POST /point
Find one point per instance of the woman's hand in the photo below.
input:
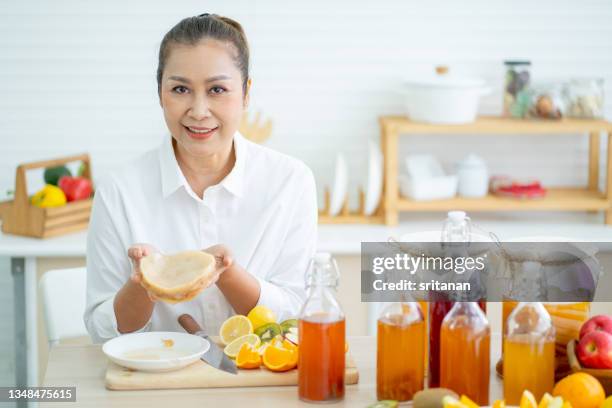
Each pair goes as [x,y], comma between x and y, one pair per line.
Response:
[224,260]
[136,252]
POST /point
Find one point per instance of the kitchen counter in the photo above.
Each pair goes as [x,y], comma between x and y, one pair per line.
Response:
[84,367]
[346,239]
[337,239]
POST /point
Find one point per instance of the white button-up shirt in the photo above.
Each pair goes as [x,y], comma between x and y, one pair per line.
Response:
[264,211]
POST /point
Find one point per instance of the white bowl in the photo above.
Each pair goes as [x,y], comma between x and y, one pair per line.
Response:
[155,351]
[433,188]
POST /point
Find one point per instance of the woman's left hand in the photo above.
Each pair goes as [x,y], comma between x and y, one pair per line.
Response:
[223,257]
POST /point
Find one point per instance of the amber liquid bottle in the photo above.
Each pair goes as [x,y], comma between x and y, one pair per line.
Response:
[465,342]
[321,328]
[400,352]
[529,352]
[457,228]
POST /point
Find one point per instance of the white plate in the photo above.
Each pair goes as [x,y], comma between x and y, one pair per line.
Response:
[374,181]
[155,351]
[340,185]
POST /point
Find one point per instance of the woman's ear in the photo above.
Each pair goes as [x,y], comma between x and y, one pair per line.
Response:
[247,94]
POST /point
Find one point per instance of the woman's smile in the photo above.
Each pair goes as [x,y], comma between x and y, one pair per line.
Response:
[200,133]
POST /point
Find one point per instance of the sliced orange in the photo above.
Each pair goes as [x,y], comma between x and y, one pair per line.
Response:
[279,359]
[248,357]
[289,345]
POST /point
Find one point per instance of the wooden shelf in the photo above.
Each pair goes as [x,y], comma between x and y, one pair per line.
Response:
[588,198]
[557,199]
[498,125]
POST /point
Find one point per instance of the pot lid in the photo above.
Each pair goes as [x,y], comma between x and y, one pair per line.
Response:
[442,78]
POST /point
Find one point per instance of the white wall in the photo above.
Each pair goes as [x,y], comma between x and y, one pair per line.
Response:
[80,76]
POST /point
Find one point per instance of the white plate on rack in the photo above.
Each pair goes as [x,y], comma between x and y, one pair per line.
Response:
[339,186]
[374,183]
[155,351]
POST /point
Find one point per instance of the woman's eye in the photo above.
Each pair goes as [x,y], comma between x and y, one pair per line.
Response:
[179,89]
[217,90]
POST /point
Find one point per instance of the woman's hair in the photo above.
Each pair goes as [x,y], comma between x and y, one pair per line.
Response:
[191,30]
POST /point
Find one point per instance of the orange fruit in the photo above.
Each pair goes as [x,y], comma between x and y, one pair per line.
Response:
[279,358]
[248,357]
[289,345]
[582,390]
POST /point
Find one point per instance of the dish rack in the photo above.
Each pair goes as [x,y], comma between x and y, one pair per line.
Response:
[350,217]
[20,217]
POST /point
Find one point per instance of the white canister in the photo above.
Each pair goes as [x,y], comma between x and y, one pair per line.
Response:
[473,177]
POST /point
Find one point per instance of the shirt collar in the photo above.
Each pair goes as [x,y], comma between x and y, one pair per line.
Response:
[234,181]
[172,177]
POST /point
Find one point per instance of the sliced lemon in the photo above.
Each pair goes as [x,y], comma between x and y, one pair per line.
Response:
[556,402]
[465,400]
[546,399]
[384,404]
[528,400]
[235,327]
[451,402]
[232,349]
[499,404]
[261,315]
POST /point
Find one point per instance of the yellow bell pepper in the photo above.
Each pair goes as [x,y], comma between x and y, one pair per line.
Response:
[49,196]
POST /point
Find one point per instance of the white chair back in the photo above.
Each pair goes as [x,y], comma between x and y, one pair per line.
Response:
[63,296]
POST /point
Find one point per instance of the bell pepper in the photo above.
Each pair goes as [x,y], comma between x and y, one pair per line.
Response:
[53,174]
[49,196]
[76,188]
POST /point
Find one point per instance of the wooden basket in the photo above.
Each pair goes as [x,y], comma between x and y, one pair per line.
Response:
[603,375]
[20,217]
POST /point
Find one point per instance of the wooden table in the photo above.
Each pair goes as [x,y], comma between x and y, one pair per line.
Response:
[85,366]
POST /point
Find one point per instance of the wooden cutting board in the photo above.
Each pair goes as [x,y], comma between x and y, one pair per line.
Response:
[202,375]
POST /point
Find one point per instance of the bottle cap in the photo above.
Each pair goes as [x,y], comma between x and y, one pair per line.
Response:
[456,216]
[321,258]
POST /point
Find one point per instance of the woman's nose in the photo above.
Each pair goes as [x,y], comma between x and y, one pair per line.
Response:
[199,108]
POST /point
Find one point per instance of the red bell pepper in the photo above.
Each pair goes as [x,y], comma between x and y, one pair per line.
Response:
[75,188]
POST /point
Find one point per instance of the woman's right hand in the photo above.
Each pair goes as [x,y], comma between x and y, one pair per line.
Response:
[136,252]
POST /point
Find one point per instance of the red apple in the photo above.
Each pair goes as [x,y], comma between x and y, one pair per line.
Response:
[599,322]
[595,350]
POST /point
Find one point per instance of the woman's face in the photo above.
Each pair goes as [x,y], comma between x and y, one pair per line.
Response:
[202,97]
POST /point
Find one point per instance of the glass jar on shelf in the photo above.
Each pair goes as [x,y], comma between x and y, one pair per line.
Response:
[547,101]
[517,96]
[584,98]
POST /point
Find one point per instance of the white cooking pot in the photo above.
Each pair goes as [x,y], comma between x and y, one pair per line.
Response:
[443,98]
